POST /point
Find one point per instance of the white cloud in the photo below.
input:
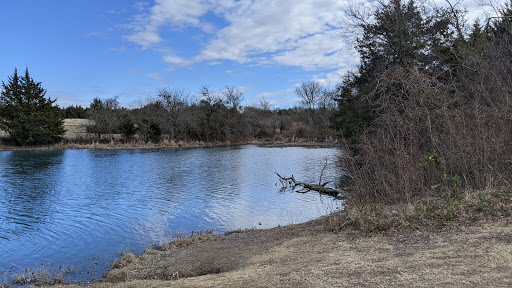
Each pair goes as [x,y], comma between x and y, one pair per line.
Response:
[141,6]
[145,38]
[320,51]
[264,31]
[275,93]
[173,59]
[301,33]
[172,13]
[298,33]
[330,79]
[155,76]
[259,31]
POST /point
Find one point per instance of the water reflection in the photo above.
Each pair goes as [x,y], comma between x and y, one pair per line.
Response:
[68,207]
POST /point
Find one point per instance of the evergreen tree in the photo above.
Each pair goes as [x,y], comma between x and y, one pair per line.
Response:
[353,115]
[127,127]
[155,133]
[402,33]
[74,112]
[25,113]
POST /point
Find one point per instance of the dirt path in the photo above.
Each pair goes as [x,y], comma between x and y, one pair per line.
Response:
[305,255]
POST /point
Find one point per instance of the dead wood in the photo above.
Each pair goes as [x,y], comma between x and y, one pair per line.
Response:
[292,182]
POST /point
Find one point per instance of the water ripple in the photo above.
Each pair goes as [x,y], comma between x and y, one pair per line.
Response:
[68,207]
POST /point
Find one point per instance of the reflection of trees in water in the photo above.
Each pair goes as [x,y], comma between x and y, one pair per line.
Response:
[28,180]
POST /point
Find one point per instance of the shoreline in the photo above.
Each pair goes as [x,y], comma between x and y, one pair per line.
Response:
[95,145]
[306,255]
[473,250]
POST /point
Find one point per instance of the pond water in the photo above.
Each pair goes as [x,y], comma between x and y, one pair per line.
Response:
[81,208]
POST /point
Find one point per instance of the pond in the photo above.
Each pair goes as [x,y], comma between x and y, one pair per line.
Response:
[81,208]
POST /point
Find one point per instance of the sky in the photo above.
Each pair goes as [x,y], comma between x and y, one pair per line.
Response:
[86,49]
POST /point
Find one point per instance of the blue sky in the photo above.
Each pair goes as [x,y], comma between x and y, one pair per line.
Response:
[82,49]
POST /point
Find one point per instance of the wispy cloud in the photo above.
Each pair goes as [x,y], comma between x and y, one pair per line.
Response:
[287,32]
[155,76]
[302,34]
[278,32]
[174,13]
[285,98]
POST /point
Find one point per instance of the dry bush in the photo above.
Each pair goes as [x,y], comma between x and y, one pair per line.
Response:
[429,138]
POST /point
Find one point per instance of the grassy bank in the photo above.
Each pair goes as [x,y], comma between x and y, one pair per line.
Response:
[307,256]
[445,209]
[120,145]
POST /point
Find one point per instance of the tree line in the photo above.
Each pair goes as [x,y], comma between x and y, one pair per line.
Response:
[216,116]
[31,118]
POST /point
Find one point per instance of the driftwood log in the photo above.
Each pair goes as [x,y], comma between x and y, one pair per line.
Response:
[309,186]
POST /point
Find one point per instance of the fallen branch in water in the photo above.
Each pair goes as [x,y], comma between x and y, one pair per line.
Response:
[285,181]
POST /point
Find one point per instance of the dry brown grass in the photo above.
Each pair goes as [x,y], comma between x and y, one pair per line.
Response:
[305,255]
[119,145]
[462,207]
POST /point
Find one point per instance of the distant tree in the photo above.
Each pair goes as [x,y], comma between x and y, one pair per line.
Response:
[105,114]
[26,114]
[309,93]
[210,105]
[96,104]
[155,133]
[264,104]
[233,97]
[127,127]
[326,99]
[74,112]
[111,103]
[175,101]
[148,118]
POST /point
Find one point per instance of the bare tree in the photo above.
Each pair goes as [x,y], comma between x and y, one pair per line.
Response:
[105,114]
[209,104]
[326,99]
[111,103]
[233,97]
[265,104]
[174,101]
[309,92]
